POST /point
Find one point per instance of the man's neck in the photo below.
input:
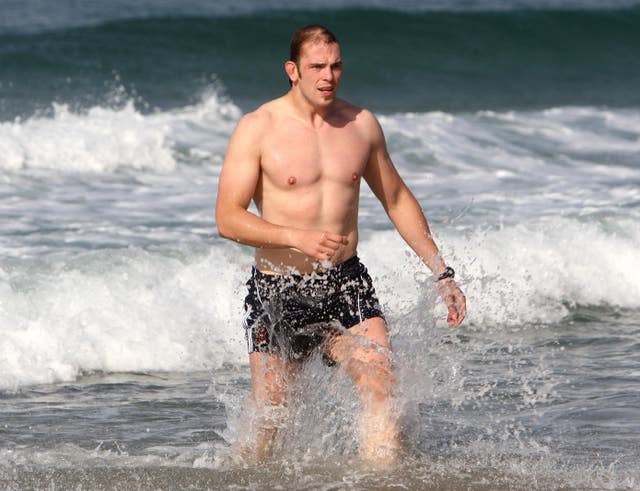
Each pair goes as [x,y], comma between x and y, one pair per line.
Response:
[309,113]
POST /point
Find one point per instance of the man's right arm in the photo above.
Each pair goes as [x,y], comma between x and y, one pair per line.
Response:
[236,188]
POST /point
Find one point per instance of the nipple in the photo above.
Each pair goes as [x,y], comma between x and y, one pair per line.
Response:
[292,180]
[354,176]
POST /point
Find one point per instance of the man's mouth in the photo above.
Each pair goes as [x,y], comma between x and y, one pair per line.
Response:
[325,89]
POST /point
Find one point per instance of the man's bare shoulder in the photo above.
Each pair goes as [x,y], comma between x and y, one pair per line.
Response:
[352,111]
[363,118]
[255,120]
[262,118]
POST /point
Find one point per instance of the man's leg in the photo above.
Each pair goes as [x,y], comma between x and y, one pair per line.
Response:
[266,409]
[365,353]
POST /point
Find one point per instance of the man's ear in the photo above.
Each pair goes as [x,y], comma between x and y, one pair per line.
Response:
[291,70]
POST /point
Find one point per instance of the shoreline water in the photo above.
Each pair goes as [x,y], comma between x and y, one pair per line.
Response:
[122,356]
[180,437]
[166,478]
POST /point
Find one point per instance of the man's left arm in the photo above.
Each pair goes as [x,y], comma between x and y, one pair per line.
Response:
[407,216]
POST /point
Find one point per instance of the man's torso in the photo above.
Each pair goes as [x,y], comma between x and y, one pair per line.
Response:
[310,179]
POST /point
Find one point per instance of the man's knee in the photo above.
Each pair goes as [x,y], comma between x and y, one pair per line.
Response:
[369,365]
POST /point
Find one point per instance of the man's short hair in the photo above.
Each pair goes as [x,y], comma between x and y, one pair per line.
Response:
[314,33]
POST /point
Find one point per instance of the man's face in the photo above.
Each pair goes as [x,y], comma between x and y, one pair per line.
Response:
[319,71]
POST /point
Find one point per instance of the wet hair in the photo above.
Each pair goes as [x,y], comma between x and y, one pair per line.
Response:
[314,33]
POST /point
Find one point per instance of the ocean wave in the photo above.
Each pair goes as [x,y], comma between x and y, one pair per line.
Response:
[104,139]
[529,273]
[114,311]
[22,16]
[129,310]
[579,160]
[400,61]
[493,149]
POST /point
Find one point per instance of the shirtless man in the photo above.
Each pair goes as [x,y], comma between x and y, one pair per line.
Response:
[301,159]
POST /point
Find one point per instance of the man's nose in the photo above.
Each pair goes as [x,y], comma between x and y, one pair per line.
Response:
[329,74]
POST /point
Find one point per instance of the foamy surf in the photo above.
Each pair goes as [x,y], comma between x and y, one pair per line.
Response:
[105,139]
[180,309]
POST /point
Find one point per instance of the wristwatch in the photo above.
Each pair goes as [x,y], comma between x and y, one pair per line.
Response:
[447,273]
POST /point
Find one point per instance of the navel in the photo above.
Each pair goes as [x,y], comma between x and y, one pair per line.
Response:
[292,180]
[354,176]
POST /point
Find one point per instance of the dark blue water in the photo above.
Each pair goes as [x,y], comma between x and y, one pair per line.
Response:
[396,61]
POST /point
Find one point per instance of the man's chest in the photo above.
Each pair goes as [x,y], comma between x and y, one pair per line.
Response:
[302,157]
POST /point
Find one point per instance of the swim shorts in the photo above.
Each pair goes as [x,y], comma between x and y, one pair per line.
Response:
[291,315]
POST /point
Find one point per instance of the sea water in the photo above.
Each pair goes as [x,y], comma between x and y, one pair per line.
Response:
[122,356]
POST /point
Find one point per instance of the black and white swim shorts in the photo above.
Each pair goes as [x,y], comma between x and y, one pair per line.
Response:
[290,315]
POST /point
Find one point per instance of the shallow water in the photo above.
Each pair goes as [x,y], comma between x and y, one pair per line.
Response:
[122,357]
[531,406]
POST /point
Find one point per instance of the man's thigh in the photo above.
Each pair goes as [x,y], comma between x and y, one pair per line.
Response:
[367,337]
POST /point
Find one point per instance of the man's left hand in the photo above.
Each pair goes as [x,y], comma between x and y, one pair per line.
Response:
[455,301]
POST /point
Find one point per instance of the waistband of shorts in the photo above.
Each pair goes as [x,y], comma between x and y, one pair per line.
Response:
[352,262]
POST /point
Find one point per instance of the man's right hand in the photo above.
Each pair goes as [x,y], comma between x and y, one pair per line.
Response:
[319,244]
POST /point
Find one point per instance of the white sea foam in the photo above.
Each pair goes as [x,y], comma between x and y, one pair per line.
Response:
[545,224]
[513,167]
[104,139]
[505,167]
[180,310]
[547,149]
[527,273]
[126,310]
